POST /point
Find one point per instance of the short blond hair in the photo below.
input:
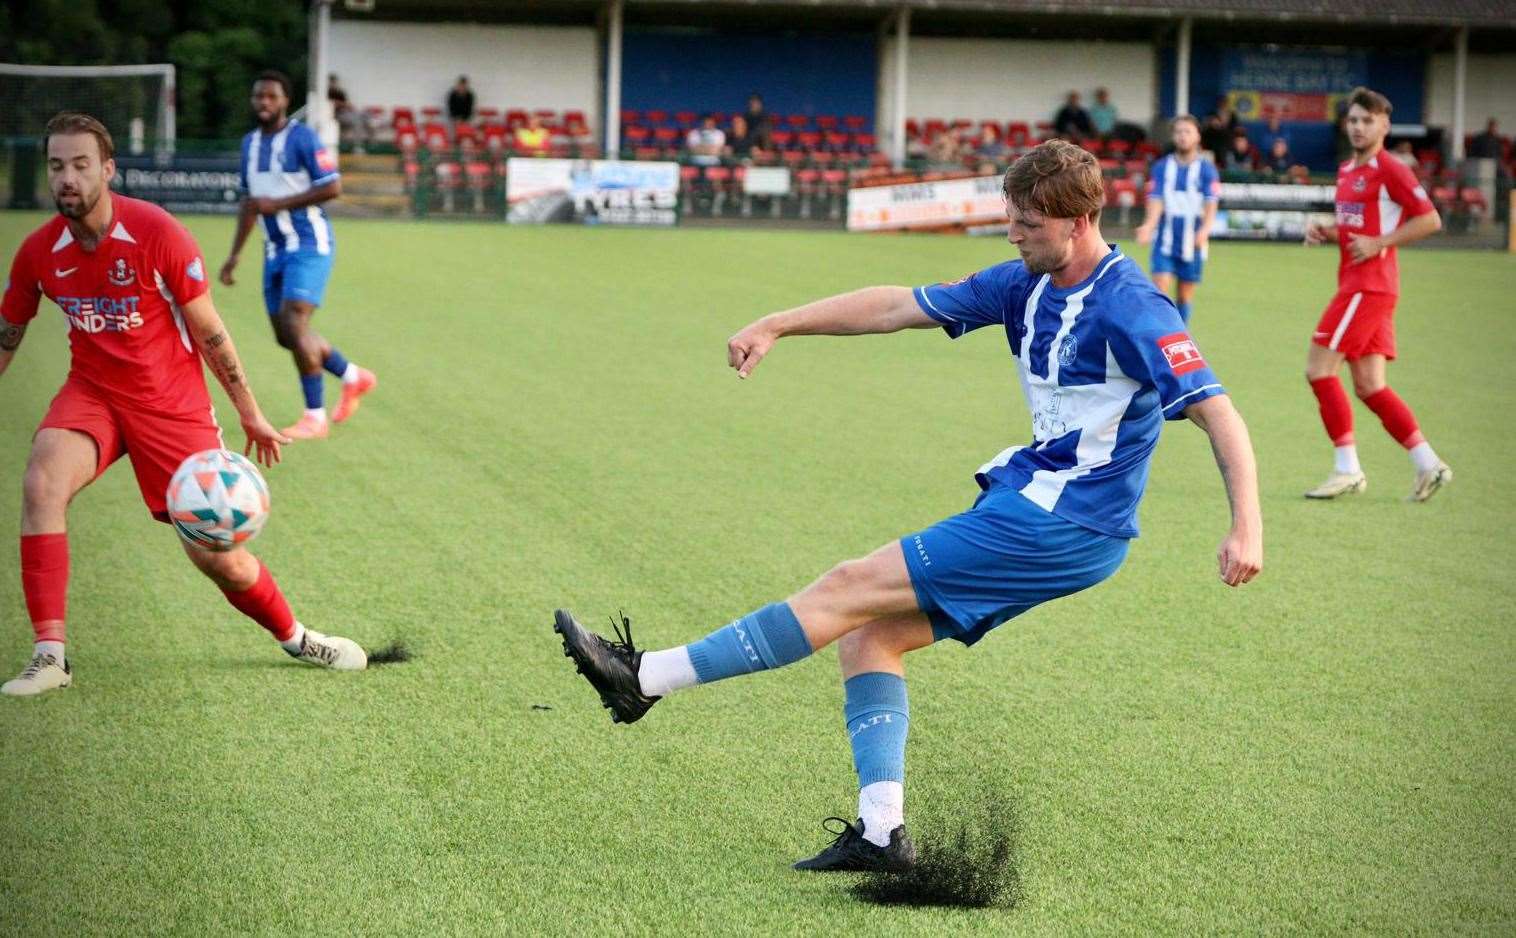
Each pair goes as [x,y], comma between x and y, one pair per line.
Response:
[1057,179]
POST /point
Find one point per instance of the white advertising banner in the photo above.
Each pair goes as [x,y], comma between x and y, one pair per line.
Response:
[591,192]
[766,180]
[926,204]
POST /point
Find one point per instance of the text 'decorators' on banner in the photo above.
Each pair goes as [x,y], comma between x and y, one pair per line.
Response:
[938,204]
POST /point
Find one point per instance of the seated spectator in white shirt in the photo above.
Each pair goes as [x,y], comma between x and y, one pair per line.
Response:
[706,142]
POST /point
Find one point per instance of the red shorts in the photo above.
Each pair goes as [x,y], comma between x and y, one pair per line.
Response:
[156,443]
[1358,324]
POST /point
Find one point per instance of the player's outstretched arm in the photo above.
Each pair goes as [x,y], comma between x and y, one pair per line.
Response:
[1240,556]
[215,345]
[10,340]
[246,218]
[870,311]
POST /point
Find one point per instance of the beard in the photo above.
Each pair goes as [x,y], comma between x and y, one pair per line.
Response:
[85,205]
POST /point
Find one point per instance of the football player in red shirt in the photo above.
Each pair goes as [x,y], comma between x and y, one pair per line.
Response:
[1379,207]
[132,285]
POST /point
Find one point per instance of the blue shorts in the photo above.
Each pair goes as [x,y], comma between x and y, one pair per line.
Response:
[1000,558]
[300,275]
[1186,270]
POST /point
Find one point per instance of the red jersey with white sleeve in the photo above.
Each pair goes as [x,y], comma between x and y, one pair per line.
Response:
[122,304]
[1374,199]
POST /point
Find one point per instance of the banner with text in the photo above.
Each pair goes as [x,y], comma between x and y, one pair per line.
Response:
[1294,85]
[938,204]
[591,192]
[182,183]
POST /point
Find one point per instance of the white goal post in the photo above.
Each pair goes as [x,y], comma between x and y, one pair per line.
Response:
[138,116]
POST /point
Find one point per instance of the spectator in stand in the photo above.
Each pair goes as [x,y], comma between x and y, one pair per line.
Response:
[1274,130]
[758,122]
[533,139]
[1103,114]
[944,154]
[1487,146]
[1240,156]
[460,101]
[706,142]
[1220,125]
[352,125]
[1072,121]
[1405,152]
[1280,161]
[740,144]
[991,149]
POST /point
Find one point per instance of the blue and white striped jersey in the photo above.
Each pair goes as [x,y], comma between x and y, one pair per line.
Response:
[289,162]
[1184,189]
[1102,363]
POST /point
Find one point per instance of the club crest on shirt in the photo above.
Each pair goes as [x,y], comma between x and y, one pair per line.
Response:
[121,273]
[1360,184]
[195,270]
[1067,350]
[1180,352]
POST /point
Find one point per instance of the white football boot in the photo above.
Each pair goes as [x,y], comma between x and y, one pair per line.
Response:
[43,673]
[1340,483]
[331,651]
[1427,483]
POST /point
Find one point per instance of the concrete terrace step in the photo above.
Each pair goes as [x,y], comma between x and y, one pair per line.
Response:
[370,163]
[361,205]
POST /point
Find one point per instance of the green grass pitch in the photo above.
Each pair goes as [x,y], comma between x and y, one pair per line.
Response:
[1330,749]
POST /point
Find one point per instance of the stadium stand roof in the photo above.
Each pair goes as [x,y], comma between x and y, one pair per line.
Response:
[1480,13]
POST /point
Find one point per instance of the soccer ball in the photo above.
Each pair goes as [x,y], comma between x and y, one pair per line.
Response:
[217,500]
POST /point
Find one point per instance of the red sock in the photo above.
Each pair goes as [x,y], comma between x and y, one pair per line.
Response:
[1397,418]
[44,581]
[1336,410]
[265,605]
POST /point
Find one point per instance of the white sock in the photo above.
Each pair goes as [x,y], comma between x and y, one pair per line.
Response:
[1345,459]
[350,375]
[293,645]
[1423,458]
[49,648]
[663,672]
[318,412]
[881,805]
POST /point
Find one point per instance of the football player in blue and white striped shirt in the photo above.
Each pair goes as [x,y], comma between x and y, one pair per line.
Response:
[1183,189]
[286,174]
[1103,360]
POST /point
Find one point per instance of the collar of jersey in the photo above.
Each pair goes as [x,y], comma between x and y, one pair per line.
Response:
[1104,262]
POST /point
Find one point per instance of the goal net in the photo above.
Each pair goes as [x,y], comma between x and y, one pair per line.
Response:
[136,102]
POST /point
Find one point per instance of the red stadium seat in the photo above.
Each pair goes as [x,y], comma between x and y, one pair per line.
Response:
[826,122]
[408,142]
[864,141]
[793,158]
[667,136]
[823,158]
[809,139]
[782,139]
[657,117]
[1473,197]
[434,135]
[855,123]
[912,129]
[934,126]
[516,117]
[403,115]
[546,114]
[797,121]
[688,176]
[487,115]
[574,120]
[836,139]
[648,153]
[494,137]
[686,118]
[850,158]
[629,116]
[636,134]
[412,170]
[431,113]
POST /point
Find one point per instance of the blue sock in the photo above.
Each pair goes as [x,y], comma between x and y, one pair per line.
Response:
[336,363]
[1184,313]
[311,385]
[877,720]
[769,638]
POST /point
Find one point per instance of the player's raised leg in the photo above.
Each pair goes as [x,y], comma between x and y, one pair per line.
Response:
[62,462]
[848,596]
[252,591]
[1371,386]
[1322,366]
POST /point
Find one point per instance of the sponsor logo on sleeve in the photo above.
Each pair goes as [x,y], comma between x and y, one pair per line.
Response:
[325,159]
[195,270]
[1180,352]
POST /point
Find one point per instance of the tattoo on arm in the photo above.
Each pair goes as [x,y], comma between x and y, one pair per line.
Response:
[227,369]
[10,336]
[215,340]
